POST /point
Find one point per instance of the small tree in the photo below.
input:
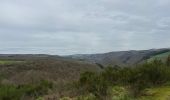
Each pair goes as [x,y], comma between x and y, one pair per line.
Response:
[168,61]
[93,83]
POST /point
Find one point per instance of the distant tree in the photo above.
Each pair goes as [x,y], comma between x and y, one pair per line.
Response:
[100,65]
[93,83]
[157,62]
[168,61]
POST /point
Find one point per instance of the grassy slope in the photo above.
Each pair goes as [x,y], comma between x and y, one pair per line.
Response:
[162,56]
[120,93]
[160,93]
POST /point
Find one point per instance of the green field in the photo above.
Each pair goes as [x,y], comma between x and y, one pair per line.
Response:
[157,93]
[120,93]
[162,56]
[160,93]
[5,62]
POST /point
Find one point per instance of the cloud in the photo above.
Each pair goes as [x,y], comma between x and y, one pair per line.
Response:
[83,26]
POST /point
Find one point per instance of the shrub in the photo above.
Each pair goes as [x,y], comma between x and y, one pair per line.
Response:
[137,78]
[65,98]
[10,92]
[93,83]
[168,61]
[13,92]
[87,97]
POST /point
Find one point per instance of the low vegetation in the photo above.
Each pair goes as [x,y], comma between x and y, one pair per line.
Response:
[24,92]
[157,93]
[23,81]
[43,80]
[7,62]
[134,80]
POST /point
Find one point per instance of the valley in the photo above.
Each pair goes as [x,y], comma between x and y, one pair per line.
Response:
[124,75]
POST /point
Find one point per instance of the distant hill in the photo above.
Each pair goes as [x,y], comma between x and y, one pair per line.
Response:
[120,57]
[28,56]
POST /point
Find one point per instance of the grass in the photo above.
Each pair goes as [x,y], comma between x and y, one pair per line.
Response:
[162,56]
[157,93]
[5,62]
[160,93]
[120,93]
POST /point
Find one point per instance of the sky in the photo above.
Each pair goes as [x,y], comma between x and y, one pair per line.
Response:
[65,27]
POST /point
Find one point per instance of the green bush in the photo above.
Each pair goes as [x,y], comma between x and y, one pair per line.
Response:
[168,61]
[13,92]
[138,78]
[93,83]
[87,97]
[10,92]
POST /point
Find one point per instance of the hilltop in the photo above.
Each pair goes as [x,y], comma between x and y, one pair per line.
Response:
[121,57]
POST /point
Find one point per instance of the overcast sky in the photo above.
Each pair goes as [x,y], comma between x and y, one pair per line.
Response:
[83,26]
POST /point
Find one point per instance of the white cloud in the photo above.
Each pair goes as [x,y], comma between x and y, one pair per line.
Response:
[83,26]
